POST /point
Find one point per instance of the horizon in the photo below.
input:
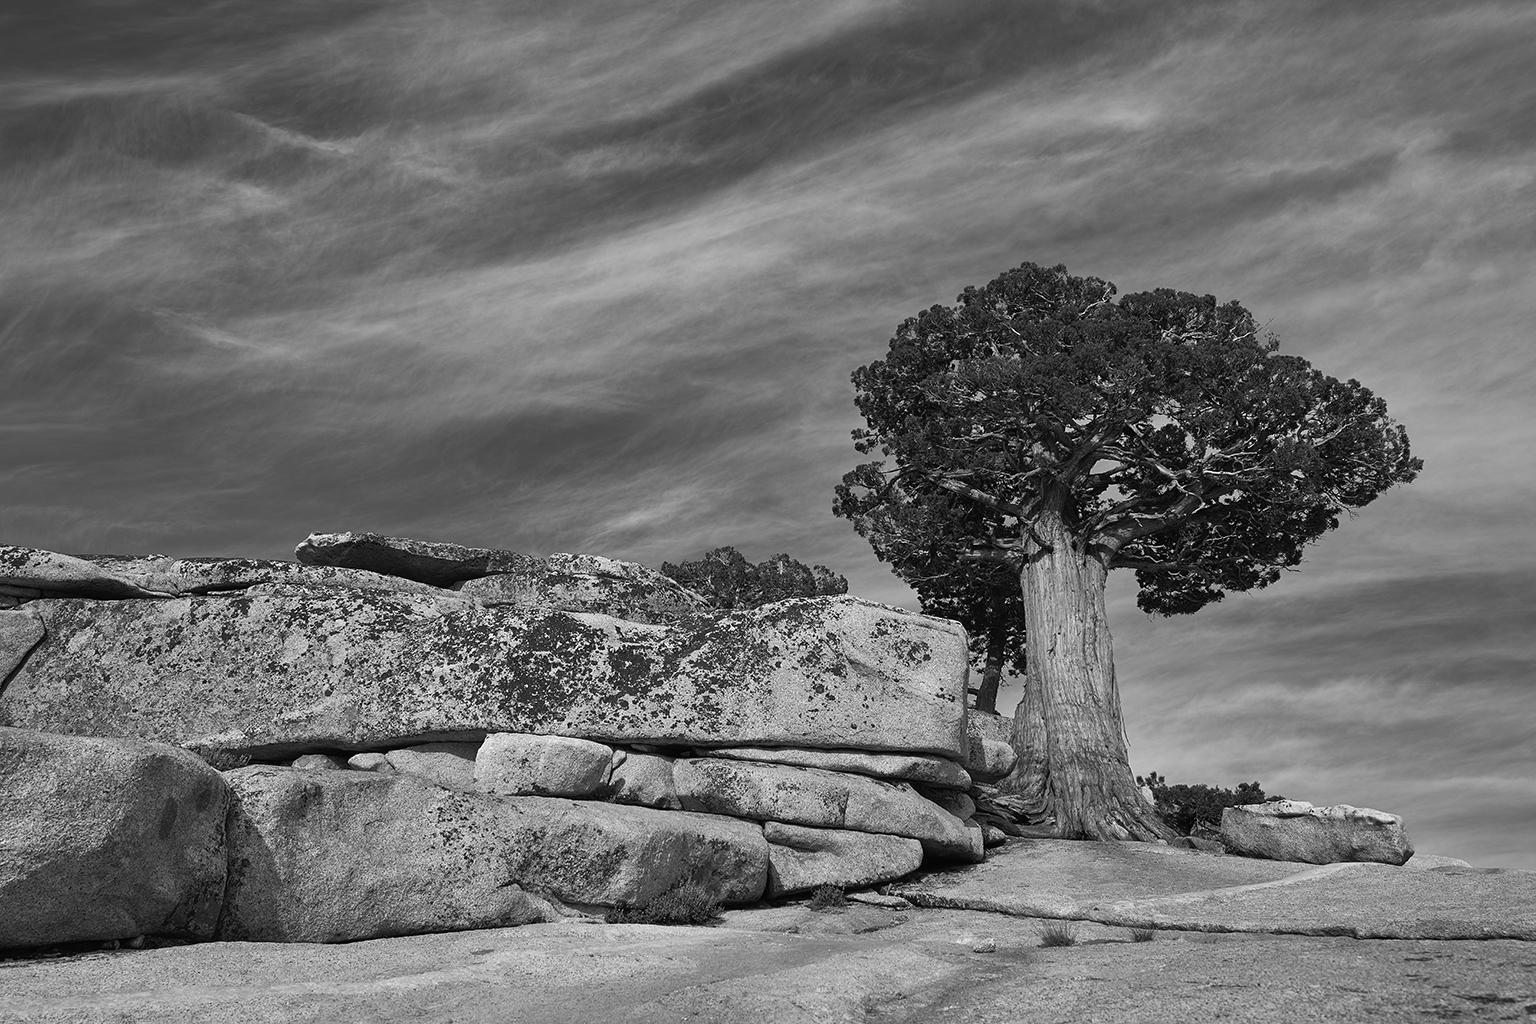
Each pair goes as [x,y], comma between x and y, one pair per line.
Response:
[592,277]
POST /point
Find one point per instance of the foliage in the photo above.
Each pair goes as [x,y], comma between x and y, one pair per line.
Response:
[828,897]
[1184,807]
[1164,433]
[686,903]
[725,579]
[1058,933]
[1143,934]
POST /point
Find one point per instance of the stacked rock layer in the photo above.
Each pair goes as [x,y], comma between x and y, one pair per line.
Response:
[421,737]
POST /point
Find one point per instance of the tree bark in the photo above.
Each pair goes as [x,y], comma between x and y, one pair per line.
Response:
[992,673]
[1069,731]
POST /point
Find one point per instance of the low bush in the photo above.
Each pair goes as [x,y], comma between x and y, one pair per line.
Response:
[828,897]
[1184,808]
[688,903]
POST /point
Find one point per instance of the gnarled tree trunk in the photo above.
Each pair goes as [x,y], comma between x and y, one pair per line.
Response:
[1073,763]
[992,672]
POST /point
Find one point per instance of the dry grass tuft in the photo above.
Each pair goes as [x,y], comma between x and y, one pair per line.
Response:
[1058,933]
[1143,934]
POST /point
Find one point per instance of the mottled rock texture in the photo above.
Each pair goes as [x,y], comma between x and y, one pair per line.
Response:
[823,799]
[107,839]
[337,856]
[1297,831]
[435,562]
[519,764]
[216,575]
[281,671]
[450,765]
[48,572]
[800,859]
[588,583]
[937,772]
[20,632]
[643,779]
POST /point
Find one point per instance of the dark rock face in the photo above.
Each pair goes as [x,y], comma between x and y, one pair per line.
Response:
[107,839]
[425,561]
[283,671]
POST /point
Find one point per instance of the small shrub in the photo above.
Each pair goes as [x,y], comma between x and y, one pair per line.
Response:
[1143,934]
[1058,933]
[1186,808]
[828,897]
[688,903]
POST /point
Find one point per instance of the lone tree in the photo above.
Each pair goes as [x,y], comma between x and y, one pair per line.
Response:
[1157,433]
[925,537]
[725,579]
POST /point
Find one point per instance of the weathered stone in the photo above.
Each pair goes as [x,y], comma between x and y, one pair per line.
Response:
[992,836]
[281,671]
[936,772]
[643,779]
[800,859]
[370,761]
[518,764]
[318,763]
[52,573]
[988,760]
[823,799]
[435,562]
[337,856]
[958,804]
[107,839]
[20,632]
[217,575]
[588,583]
[1297,831]
[450,765]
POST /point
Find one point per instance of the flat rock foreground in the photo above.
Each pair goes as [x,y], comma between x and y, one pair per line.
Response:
[891,962]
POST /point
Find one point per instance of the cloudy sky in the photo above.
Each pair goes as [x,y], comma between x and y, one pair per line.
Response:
[591,275]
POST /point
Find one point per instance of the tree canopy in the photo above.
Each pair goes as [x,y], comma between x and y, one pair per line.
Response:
[725,579]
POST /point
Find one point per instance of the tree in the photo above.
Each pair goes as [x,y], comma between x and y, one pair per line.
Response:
[1183,807]
[1157,433]
[925,538]
[725,579]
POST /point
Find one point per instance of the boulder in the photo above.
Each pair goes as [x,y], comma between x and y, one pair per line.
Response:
[217,575]
[988,760]
[425,561]
[20,632]
[450,765]
[518,764]
[588,583]
[1297,831]
[369,761]
[277,672]
[339,856]
[823,799]
[959,804]
[51,573]
[936,772]
[106,839]
[643,779]
[800,859]
[318,763]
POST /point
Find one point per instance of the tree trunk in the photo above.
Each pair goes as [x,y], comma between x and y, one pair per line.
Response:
[992,674]
[1068,728]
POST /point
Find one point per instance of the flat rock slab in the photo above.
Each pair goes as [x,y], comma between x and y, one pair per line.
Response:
[1145,885]
[436,562]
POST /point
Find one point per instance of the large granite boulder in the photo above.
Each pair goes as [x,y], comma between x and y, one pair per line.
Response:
[337,856]
[989,754]
[435,562]
[519,764]
[800,859]
[588,583]
[450,765]
[823,799]
[1296,830]
[937,772]
[643,779]
[218,575]
[20,632]
[48,573]
[107,839]
[275,671]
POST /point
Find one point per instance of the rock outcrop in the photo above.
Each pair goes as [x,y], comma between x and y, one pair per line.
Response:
[426,561]
[20,632]
[36,573]
[1295,830]
[516,764]
[588,583]
[800,859]
[931,771]
[107,839]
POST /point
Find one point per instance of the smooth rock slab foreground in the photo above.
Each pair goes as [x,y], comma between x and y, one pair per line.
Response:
[1295,830]
[278,671]
[339,856]
[800,859]
[107,839]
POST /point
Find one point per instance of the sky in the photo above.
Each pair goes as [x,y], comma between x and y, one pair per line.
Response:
[592,276]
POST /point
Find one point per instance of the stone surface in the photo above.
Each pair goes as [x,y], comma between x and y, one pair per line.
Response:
[956,803]
[425,561]
[52,573]
[518,764]
[988,760]
[1199,843]
[450,765]
[283,673]
[937,772]
[588,583]
[215,575]
[318,763]
[800,858]
[336,856]
[642,779]
[107,839]
[1295,830]
[370,761]
[20,632]
[823,799]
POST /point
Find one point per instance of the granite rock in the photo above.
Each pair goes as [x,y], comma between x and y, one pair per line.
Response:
[518,764]
[1297,831]
[435,562]
[800,858]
